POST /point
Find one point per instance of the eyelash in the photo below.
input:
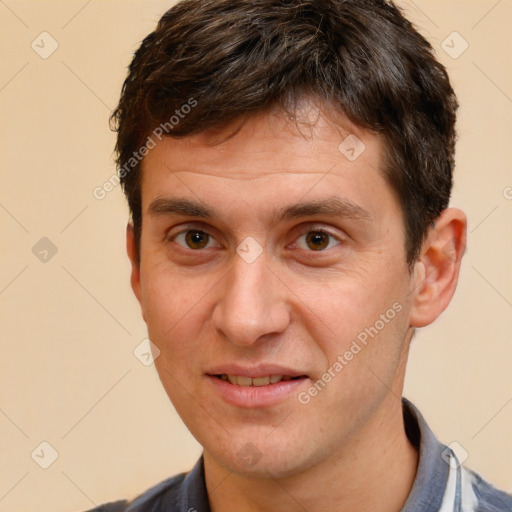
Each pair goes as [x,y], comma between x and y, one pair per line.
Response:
[172,238]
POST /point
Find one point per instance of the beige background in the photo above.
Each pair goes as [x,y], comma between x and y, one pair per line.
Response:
[69,325]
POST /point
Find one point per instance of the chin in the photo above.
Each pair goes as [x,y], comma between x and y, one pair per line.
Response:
[262,458]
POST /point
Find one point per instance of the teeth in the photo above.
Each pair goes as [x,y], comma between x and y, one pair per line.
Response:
[254,381]
[243,381]
[261,381]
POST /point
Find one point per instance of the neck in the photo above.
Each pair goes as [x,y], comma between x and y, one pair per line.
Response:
[375,472]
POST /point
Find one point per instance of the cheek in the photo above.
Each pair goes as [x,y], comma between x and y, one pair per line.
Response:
[362,319]
[345,304]
[171,304]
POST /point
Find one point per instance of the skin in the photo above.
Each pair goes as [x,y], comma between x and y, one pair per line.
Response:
[296,306]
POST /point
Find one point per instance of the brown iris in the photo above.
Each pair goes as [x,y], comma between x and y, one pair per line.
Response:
[197,239]
[317,240]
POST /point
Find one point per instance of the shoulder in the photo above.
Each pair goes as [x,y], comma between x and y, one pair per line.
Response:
[148,500]
[479,495]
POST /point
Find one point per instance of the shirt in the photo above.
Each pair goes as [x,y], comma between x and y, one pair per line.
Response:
[441,484]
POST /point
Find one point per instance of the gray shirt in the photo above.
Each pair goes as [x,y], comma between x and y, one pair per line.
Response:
[442,484]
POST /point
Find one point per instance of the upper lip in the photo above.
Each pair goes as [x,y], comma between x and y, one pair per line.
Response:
[259,370]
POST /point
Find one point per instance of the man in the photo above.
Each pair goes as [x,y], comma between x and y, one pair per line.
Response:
[288,167]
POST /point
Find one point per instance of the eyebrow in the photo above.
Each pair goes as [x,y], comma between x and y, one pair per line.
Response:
[333,206]
[165,206]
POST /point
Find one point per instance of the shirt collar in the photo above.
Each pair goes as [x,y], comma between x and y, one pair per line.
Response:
[193,496]
[430,483]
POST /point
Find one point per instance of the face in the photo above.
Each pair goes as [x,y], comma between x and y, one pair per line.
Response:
[273,280]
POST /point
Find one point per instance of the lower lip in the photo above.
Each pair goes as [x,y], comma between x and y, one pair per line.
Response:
[256,396]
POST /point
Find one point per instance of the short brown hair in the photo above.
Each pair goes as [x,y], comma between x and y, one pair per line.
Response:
[235,57]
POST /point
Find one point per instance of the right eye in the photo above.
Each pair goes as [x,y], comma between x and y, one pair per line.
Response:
[194,239]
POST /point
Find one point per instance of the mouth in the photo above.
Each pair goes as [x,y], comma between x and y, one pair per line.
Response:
[268,380]
[256,387]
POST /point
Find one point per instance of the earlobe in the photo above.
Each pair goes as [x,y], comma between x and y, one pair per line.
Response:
[437,270]
[131,249]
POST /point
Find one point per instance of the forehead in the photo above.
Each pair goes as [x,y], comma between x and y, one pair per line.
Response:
[270,143]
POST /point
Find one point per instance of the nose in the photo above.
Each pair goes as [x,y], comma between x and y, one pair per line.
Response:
[252,303]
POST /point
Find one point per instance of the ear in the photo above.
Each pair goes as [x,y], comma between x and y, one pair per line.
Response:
[436,272]
[131,249]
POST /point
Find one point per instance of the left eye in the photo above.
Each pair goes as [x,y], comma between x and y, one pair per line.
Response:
[317,241]
[195,239]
